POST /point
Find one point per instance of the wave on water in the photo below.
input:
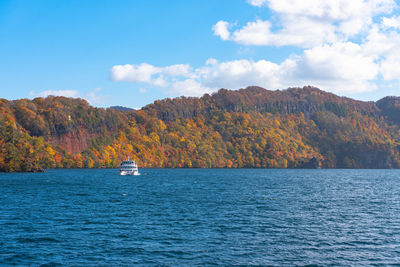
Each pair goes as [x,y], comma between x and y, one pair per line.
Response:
[200,217]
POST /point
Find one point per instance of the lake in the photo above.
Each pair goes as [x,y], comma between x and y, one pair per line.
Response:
[200,217]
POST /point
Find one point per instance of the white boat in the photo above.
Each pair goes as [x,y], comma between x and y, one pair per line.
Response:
[129,167]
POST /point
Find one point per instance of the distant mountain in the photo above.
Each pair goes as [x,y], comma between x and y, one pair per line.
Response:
[121,108]
[253,127]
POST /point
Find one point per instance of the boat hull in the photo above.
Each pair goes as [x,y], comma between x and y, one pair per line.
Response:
[129,172]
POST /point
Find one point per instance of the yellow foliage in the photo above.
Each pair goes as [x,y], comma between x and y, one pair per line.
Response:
[50,151]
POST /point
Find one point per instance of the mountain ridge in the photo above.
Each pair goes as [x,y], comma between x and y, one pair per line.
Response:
[252,127]
[256,98]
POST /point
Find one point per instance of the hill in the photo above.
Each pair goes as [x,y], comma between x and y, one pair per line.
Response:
[252,127]
[121,108]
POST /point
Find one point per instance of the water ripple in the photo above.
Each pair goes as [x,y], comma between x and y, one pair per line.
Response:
[201,217]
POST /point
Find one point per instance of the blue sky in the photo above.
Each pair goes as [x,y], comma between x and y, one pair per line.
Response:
[131,53]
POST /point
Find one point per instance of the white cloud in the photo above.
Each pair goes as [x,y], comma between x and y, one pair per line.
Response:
[94,97]
[301,32]
[66,93]
[177,70]
[240,73]
[348,45]
[393,22]
[308,23]
[146,73]
[159,82]
[190,87]
[342,67]
[221,29]
[390,68]
[179,78]
[339,61]
[383,43]
[331,10]
[258,3]
[133,73]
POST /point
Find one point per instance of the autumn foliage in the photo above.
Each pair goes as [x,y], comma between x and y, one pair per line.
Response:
[252,128]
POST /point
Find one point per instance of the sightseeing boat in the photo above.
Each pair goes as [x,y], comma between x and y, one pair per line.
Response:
[128,167]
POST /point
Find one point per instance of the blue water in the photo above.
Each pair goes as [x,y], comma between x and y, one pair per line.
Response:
[200,217]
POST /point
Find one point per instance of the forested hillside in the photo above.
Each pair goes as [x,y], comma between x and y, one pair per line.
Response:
[252,127]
